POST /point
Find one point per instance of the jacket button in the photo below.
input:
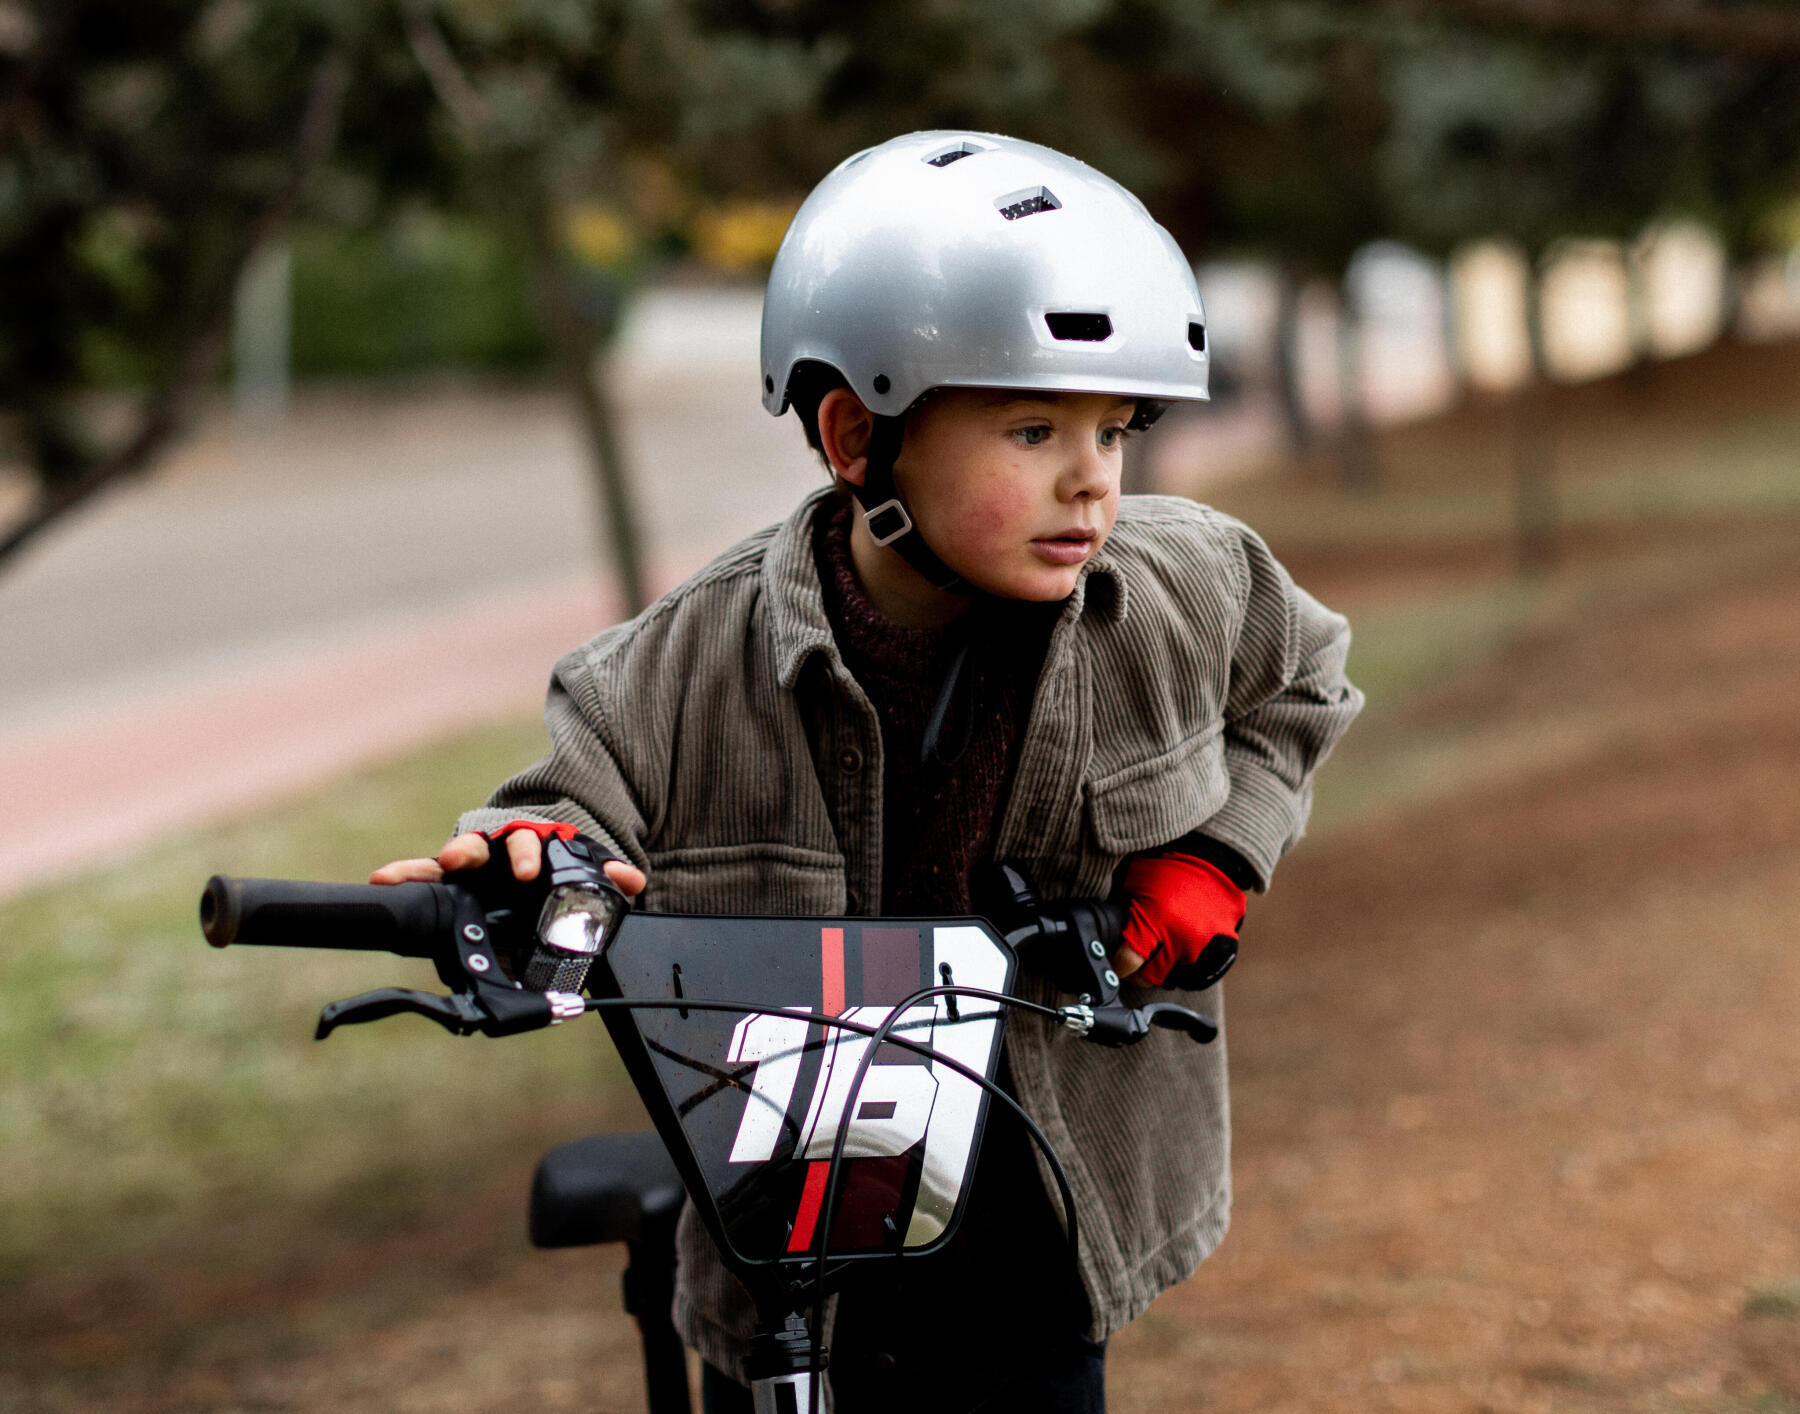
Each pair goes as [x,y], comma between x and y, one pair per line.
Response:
[850,760]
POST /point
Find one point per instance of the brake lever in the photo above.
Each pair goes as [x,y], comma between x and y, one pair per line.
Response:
[493,1011]
[482,998]
[1172,1016]
[457,1014]
[1116,1025]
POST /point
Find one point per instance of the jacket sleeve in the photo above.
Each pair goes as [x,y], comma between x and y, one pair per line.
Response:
[591,778]
[1287,704]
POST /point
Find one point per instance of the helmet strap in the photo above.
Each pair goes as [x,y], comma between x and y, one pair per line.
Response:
[889,522]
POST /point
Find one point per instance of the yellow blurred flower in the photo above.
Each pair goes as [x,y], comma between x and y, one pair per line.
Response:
[742,235]
[597,235]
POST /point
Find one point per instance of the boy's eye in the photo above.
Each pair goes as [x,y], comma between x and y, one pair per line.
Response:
[1111,437]
[1032,436]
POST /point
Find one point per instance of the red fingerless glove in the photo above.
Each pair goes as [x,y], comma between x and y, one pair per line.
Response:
[543,829]
[1176,905]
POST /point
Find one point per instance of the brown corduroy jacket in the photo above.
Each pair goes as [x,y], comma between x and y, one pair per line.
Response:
[719,742]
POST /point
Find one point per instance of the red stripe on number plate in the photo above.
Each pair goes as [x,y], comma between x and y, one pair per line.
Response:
[831,960]
[812,1198]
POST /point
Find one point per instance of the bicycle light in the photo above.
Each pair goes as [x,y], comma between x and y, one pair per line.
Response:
[578,919]
[577,923]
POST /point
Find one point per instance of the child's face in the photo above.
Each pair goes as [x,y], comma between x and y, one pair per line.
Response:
[1015,491]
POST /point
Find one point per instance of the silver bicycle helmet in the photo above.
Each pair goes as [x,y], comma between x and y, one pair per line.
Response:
[971,260]
[952,259]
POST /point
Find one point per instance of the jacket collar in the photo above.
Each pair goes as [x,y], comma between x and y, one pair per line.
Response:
[798,623]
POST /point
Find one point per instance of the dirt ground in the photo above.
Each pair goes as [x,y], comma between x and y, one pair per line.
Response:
[1517,1079]
[1516,1087]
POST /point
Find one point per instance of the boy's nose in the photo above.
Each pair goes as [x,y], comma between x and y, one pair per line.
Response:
[1092,473]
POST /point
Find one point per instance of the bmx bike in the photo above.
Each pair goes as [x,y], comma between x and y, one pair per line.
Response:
[819,1086]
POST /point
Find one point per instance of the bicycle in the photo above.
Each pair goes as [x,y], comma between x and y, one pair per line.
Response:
[794,1103]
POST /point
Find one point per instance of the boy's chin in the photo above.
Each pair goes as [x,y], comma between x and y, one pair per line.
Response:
[1041,586]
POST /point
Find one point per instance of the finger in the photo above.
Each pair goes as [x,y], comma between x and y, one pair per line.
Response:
[526,851]
[467,851]
[408,871]
[1125,962]
[628,877]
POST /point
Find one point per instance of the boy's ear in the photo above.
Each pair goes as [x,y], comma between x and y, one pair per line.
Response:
[845,427]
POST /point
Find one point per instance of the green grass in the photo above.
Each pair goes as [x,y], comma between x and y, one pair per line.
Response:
[156,1087]
[1400,649]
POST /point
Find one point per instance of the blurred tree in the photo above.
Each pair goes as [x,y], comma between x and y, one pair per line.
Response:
[148,148]
[1264,116]
[595,133]
[413,289]
[1540,132]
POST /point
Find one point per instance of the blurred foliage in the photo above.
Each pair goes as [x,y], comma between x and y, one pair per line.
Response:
[742,236]
[1534,140]
[142,146]
[567,149]
[426,290]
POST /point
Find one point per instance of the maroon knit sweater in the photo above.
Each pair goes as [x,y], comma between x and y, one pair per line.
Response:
[1006,1276]
[939,819]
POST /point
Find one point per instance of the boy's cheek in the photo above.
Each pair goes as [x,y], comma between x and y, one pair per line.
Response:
[997,513]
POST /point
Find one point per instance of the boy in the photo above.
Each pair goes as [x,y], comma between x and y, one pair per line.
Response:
[992,660]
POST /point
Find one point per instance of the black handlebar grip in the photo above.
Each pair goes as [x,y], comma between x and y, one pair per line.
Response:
[1213,963]
[411,920]
[1110,914]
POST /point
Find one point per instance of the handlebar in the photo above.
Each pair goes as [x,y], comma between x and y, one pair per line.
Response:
[1070,940]
[1073,942]
[408,920]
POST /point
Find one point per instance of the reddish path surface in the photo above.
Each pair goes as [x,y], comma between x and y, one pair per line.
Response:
[389,566]
[123,773]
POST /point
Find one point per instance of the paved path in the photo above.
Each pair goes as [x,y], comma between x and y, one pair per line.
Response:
[388,566]
[392,564]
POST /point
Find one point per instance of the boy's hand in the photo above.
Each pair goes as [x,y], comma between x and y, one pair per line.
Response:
[1175,906]
[470,851]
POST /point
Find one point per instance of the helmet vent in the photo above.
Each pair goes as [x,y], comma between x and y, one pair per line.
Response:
[1080,328]
[1027,203]
[1197,337]
[965,148]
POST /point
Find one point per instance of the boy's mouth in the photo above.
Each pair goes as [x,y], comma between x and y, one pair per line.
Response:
[1067,547]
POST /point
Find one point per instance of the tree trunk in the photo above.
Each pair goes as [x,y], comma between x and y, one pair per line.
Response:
[576,343]
[1534,450]
[1296,420]
[1355,440]
[583,371]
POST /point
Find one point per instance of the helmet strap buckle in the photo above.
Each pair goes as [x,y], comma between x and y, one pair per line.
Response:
[888,521]
[885,516]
